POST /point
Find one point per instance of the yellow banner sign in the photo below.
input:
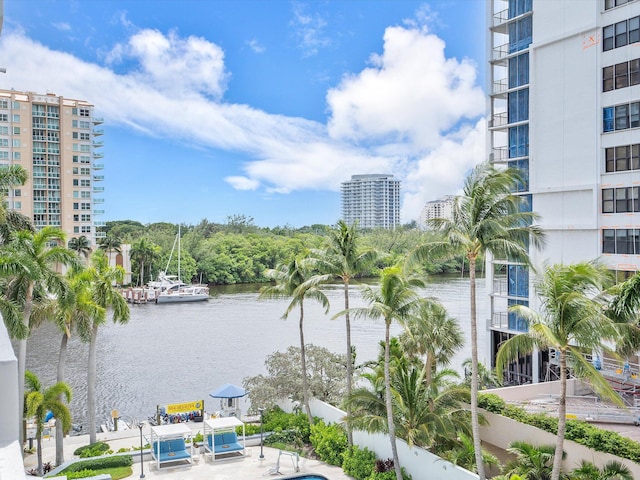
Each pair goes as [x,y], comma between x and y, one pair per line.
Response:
[185,407]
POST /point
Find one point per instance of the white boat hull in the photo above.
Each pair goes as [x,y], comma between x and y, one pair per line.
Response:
[178,297]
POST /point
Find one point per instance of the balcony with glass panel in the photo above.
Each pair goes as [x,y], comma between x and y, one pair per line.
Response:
[99,223]
[98,212]
[98,200]
[98,166]
[101,235]
[97,132]
[97,120]
[98,178]
[98,144]
[97,155]
[98,189]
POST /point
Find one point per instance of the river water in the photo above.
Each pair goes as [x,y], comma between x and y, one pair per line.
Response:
[174,353]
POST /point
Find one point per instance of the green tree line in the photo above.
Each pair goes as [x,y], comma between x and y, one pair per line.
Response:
[238,251]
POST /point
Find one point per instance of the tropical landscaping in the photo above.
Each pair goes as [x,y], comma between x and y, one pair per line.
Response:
[409,392]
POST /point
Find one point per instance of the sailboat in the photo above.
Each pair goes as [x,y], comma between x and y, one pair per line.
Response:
[174,290]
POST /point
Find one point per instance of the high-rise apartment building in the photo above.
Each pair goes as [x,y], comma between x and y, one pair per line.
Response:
[373,201]
[441,208]
[55,140]
[564,106]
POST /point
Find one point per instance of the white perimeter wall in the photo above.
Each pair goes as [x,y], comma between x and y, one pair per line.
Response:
[11,466]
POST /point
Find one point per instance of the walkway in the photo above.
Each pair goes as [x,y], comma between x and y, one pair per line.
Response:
[249,467]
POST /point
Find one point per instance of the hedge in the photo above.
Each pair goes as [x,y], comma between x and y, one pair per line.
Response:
[100,463]
[577,430]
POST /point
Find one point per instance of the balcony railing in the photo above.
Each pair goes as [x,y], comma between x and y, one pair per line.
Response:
[98,178]
[98,212]
[98,200]
[500,52]
[500,17]
[98,189]
[97,120]
[500,86]
[500,320]
[99,223]
[499,120]
[98,144]
[499,154]
[97,155]
[98,166]
[101,234]
[97,132]
[500,285]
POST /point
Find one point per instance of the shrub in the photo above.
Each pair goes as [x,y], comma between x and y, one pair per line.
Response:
[578,431]
[329,442]
[100,463]
[358,463]
[93,450]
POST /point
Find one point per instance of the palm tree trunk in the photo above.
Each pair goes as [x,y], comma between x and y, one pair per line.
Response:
[39,445]
[347,322]
[389,404]
[562,417]
[141,280]
[91,385]
[62,359]
[475,423]
[303,362]
[22,362]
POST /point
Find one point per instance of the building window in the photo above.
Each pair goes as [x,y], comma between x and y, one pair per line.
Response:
[76,194]
[74,170]
[84,112]
[17,205]
[518,108]
[4,117]
[4,155]
[76,182]
[622,75]
[4,130]
[85,229]
[4,142]
[76,206]
[519,70]
[520,34]
[17,192]
[75,159]
[16,130]
[621,241]
[74,135]
[16,143]
[85,183]
[76,218]
[17,156]
[85,194]
[621,200]
[518,7]
[76,229]
[621,117]
[607,79]
[4,104]
[620,34]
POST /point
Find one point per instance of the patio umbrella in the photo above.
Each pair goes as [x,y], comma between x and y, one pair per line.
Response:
[229,390]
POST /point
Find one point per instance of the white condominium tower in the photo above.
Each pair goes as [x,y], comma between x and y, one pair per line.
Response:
[55,140]
[441,208]
[373,201]
[564,108]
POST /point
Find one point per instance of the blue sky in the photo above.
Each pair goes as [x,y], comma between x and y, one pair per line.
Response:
[215,108]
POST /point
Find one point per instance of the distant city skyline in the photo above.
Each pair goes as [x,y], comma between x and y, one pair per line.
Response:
[261,108]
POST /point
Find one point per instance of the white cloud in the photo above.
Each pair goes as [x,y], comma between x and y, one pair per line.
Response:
[242,183]
[412,113]
[411,95]
[309,30]
[255,46]
[62,26]
[186,65]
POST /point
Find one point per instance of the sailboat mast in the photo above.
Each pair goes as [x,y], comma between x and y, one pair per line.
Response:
[179,279]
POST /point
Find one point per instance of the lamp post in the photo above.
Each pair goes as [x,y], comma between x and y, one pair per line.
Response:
[261,410]
[140,425]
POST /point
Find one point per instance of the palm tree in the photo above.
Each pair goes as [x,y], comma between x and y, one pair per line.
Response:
[144,252]
[39,401]
[110,244]
[343,260]
[81,245]
[77,308]
[294,280]
[35,278]
[107,297]
[433,336]
[486,218]
[532,463]
[395,300]
[487,377]
[612,470]
[10,176]
[464,455]
[572,320]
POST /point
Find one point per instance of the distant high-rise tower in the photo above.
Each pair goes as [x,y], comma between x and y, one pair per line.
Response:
[441,208]
[54,140]
[372,200]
